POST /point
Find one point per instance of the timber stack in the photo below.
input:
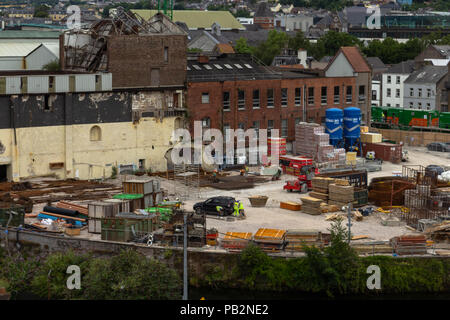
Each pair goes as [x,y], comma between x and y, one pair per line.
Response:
[320,187]
[311,205]
[340,194]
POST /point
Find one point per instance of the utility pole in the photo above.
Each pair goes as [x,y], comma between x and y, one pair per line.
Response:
[185,266]
[349,216]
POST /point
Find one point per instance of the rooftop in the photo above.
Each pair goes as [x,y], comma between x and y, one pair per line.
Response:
[427,74]
[29,34]
[404,67]
[196,19]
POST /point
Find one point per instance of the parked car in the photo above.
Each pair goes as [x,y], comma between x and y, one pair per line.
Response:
[439,146]
[433,170]
[210,205]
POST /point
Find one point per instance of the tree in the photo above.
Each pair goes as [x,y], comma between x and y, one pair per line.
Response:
[267,50]
[330,43]
[52,66]
[41,11]
[242,46]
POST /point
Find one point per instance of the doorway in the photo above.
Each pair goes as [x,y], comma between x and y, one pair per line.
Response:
[3,173]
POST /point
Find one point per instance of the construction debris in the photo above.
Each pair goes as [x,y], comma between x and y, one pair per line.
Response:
[236,241]
[439,232]
[409,244]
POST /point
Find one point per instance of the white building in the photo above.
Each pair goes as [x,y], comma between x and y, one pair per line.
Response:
[392,84]
[27,56]
[376,91]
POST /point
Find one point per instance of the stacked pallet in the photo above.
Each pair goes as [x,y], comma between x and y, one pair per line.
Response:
[320,187]
[276,145]
[296,239]
[311,205]
[270,239]
[340,195]
[236,241]
[312,141]
[409,244]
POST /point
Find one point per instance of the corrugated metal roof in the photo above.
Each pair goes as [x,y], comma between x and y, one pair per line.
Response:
[53,47]
[29,34]
[17,49]
[198,19]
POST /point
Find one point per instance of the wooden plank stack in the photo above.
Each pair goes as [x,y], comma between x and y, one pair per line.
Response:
[340,195]
[270,239]
[236,241]
[409,244]
[320,187]
[297,238]
[311,205]
[289,205]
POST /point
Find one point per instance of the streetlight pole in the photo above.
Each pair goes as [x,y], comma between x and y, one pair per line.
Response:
[185,266]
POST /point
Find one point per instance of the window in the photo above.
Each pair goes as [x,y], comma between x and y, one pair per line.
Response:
[374,94]
[298,96]
[420,92]
[205,97]
[218,66]
[241,125]
[398,80]
[95,133]
[207,67]
[362,93]
[411,105]
[166,54]
[51,81]
[241,99]
[428,93]
[411,92]
[419,105]
[270,98]
[270,124]
[256,126]
[197,67]
[428,106]
[311,95]
[397,105]
[388,92]
[226,100]
[228,66]
[256,99]
[388,79]
[397,93]
[284,97]
[248,66]
[323,95]
[336,98]
[388,104]
[238,66]
[284,128]
[206,123]
[141,164]
[349,95]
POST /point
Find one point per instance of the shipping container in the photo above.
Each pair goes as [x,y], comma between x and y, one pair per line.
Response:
[385,151]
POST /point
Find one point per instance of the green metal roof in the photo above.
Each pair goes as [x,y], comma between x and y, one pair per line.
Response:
[29,34]
[195,19]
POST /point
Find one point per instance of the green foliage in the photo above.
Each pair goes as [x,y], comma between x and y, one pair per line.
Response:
[41,11]
[332,5]
[52,66]
[130,275]
[18,273]
[51,279]
[268,49]
[194,50]
[242,46]
[337,270]
[242,13]
[217,7]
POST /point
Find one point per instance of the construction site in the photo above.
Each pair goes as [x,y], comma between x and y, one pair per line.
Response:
[394,206]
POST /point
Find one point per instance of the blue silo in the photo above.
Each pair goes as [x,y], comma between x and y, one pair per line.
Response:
[352,130]
[333,125]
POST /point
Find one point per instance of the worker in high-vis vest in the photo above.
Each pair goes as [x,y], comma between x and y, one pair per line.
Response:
[236,209]
[219,210]
[241,208]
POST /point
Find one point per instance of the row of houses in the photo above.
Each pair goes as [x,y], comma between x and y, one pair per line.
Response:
[419,84]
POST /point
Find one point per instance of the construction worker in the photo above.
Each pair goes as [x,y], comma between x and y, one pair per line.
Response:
[219,210]
[215,179]
[236,209]
[246,170]
[242,171]
[241,209]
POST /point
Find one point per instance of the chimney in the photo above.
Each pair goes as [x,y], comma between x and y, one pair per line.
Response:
[203,59]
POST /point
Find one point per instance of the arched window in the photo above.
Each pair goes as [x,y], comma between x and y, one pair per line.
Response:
[96,133]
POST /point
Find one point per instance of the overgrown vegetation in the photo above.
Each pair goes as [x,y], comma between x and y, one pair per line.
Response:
[337,270]
[128,275]
[52,66]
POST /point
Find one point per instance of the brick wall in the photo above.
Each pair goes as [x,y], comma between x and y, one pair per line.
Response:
[219,117]
[131,60]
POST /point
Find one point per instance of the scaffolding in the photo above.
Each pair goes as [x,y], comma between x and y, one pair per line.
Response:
[186,181]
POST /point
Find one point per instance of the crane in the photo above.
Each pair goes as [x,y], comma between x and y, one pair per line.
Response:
[166,7]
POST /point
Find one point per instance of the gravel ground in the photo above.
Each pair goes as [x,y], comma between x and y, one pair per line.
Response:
[272,216]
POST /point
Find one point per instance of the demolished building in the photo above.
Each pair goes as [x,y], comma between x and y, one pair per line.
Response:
[115,103]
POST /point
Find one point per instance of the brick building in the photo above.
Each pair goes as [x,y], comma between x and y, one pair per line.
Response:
[264,17]
[233,91]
